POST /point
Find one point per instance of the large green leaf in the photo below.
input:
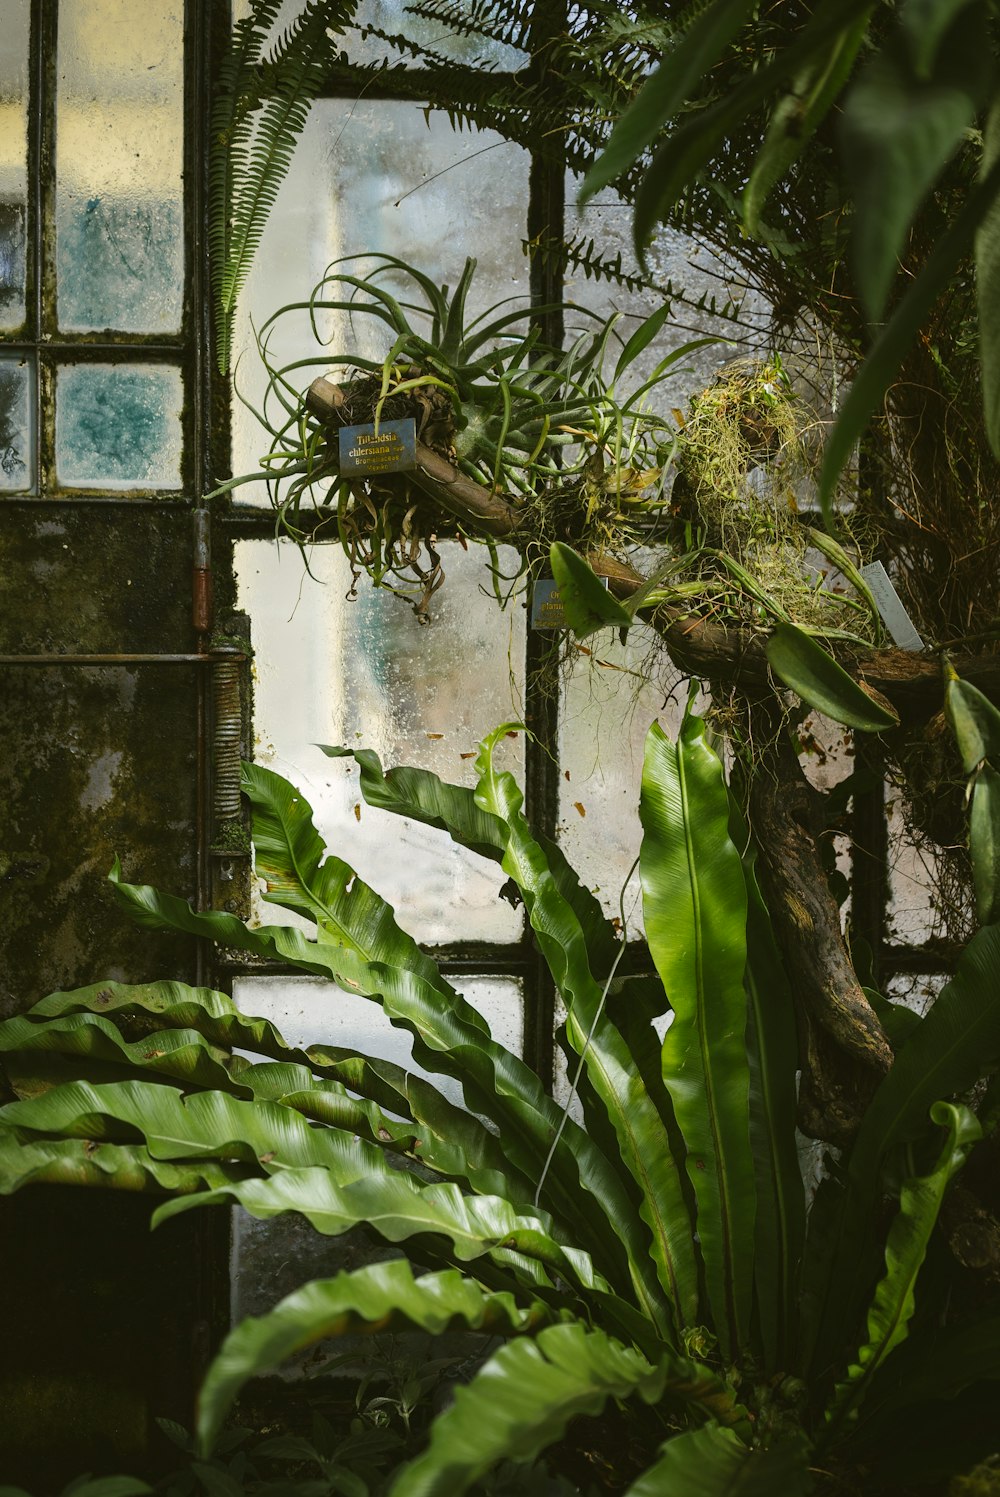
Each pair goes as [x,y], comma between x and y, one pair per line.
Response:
[522,1400]
[987,249]
[676,80]
[695,903]
[714,1462]
[588,604]
[953,1046]
[974,721]
[640,1130]
[810,671]
[380,1297]
[399,1207]
[898,130]
[796,118]
[893,1305]
[772,1053]
[984,843]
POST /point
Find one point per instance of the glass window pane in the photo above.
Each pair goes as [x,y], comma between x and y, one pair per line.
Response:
[394,17]
[610,695]
[119,148]
[271,1259]
[13,160]
[366,674]
[349,193]
[118,426]
[17,447]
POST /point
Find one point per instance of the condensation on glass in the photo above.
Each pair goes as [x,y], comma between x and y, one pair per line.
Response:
[119,166]
[394,17]
[17,446]
[366,674]
[270,1259]
[13,162]
[677,263]
[366,178]
[610,694]
[118,426]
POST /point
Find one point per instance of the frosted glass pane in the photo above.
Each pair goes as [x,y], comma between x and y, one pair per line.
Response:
[118,426]
[610,695]
[392,16]
[374,177]
[367,674]
[119,160]
[17,456]
[13,159]
[673,259]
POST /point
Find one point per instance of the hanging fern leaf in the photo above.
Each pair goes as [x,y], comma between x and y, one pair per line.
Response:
[261,110]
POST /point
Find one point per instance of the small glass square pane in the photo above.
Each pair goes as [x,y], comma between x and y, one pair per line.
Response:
[118,426]
[119,163]
[395,18]
[17,447]
[13,160]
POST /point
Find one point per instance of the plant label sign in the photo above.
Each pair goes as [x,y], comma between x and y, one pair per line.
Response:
[390,449]
[894,615]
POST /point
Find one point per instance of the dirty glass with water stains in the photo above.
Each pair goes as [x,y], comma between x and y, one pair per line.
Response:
[119,162]
[363,672]
[13,160]
[118,426]
[370,177]
[17,445]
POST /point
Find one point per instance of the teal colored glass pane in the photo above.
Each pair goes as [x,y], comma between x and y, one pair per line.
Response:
[17,460]
[13,160]
[119,162]
[118,426]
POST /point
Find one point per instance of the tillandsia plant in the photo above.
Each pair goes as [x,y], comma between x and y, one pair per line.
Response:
[496,411]
[659,1256]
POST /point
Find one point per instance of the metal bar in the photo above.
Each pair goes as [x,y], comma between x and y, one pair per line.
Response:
[139,658]
[154,348]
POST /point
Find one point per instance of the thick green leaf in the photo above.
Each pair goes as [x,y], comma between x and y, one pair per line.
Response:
[380,1297]
[521,1402]
[984,843]
[987,249]
[898,132]
[806,667]
[974,721]
[25,1160]
[953,1046]
[695,904]
[180,1053]
[772,1053]
[876,374]
[399,1207]
[713,1462]
[796,118]
[449,1037]
[588,603]
[677,79]
[936,1363]
[688,149]
[893,1305]
[640,1130]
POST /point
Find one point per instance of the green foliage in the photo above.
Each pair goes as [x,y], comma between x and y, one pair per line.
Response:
[656,1256]
[810,671]
[976,724]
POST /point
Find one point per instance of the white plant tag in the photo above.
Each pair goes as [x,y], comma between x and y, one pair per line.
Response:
[894,615]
